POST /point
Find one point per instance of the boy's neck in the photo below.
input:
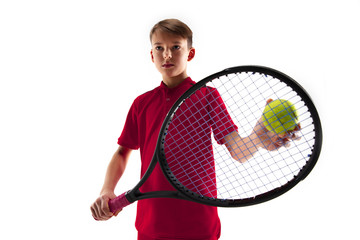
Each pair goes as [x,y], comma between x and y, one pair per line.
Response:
[174,81]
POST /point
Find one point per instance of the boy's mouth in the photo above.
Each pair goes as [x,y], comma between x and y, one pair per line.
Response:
[167,65]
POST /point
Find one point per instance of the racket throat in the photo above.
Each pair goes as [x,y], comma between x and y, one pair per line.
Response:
[156,194]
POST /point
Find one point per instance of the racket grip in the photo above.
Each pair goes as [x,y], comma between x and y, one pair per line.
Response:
[118,203]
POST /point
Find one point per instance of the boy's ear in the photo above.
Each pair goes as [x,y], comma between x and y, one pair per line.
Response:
[152,57]
[191,54]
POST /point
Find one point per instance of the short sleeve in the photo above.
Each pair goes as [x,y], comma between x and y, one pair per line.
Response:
[220,119]
[129,137]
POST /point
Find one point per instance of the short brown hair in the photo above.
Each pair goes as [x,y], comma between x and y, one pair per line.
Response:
[174,26]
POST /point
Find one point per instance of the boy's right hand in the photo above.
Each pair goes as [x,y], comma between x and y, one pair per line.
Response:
[100,208]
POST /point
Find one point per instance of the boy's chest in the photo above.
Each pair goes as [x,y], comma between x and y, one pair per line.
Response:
[152,114]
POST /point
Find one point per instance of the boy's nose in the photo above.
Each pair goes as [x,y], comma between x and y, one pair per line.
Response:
[167,54]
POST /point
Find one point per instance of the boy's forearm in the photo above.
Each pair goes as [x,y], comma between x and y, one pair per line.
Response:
[241,149]
[115,169]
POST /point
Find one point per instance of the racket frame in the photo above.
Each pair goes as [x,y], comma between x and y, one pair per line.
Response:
[186,194]
[190,195]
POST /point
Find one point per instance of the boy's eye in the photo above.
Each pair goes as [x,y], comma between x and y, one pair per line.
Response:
[158,48]
[176,47]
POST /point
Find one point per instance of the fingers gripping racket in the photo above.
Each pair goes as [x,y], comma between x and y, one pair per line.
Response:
[193,147]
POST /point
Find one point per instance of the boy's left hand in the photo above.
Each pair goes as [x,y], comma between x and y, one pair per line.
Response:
[273,141]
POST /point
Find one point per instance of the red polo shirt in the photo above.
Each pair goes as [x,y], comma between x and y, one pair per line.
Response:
[163,218]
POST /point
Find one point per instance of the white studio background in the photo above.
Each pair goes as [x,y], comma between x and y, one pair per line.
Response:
[69,71]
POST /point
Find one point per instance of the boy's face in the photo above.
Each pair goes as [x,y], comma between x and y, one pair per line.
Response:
[170,54]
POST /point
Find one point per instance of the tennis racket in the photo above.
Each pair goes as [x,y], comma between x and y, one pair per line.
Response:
[221,113]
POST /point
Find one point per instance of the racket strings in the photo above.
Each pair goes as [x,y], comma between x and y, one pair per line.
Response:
[204,165]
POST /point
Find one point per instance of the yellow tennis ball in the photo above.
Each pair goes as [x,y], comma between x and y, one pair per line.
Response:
[280,116]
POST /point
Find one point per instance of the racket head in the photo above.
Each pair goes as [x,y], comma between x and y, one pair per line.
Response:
[220,180]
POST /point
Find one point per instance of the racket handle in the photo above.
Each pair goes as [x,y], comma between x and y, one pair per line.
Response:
[118,203]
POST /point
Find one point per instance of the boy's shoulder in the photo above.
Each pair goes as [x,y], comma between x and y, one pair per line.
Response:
[148,96]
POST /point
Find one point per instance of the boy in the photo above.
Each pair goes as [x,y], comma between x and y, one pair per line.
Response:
[163,218]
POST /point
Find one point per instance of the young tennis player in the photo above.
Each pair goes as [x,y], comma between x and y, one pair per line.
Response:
[164,218]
